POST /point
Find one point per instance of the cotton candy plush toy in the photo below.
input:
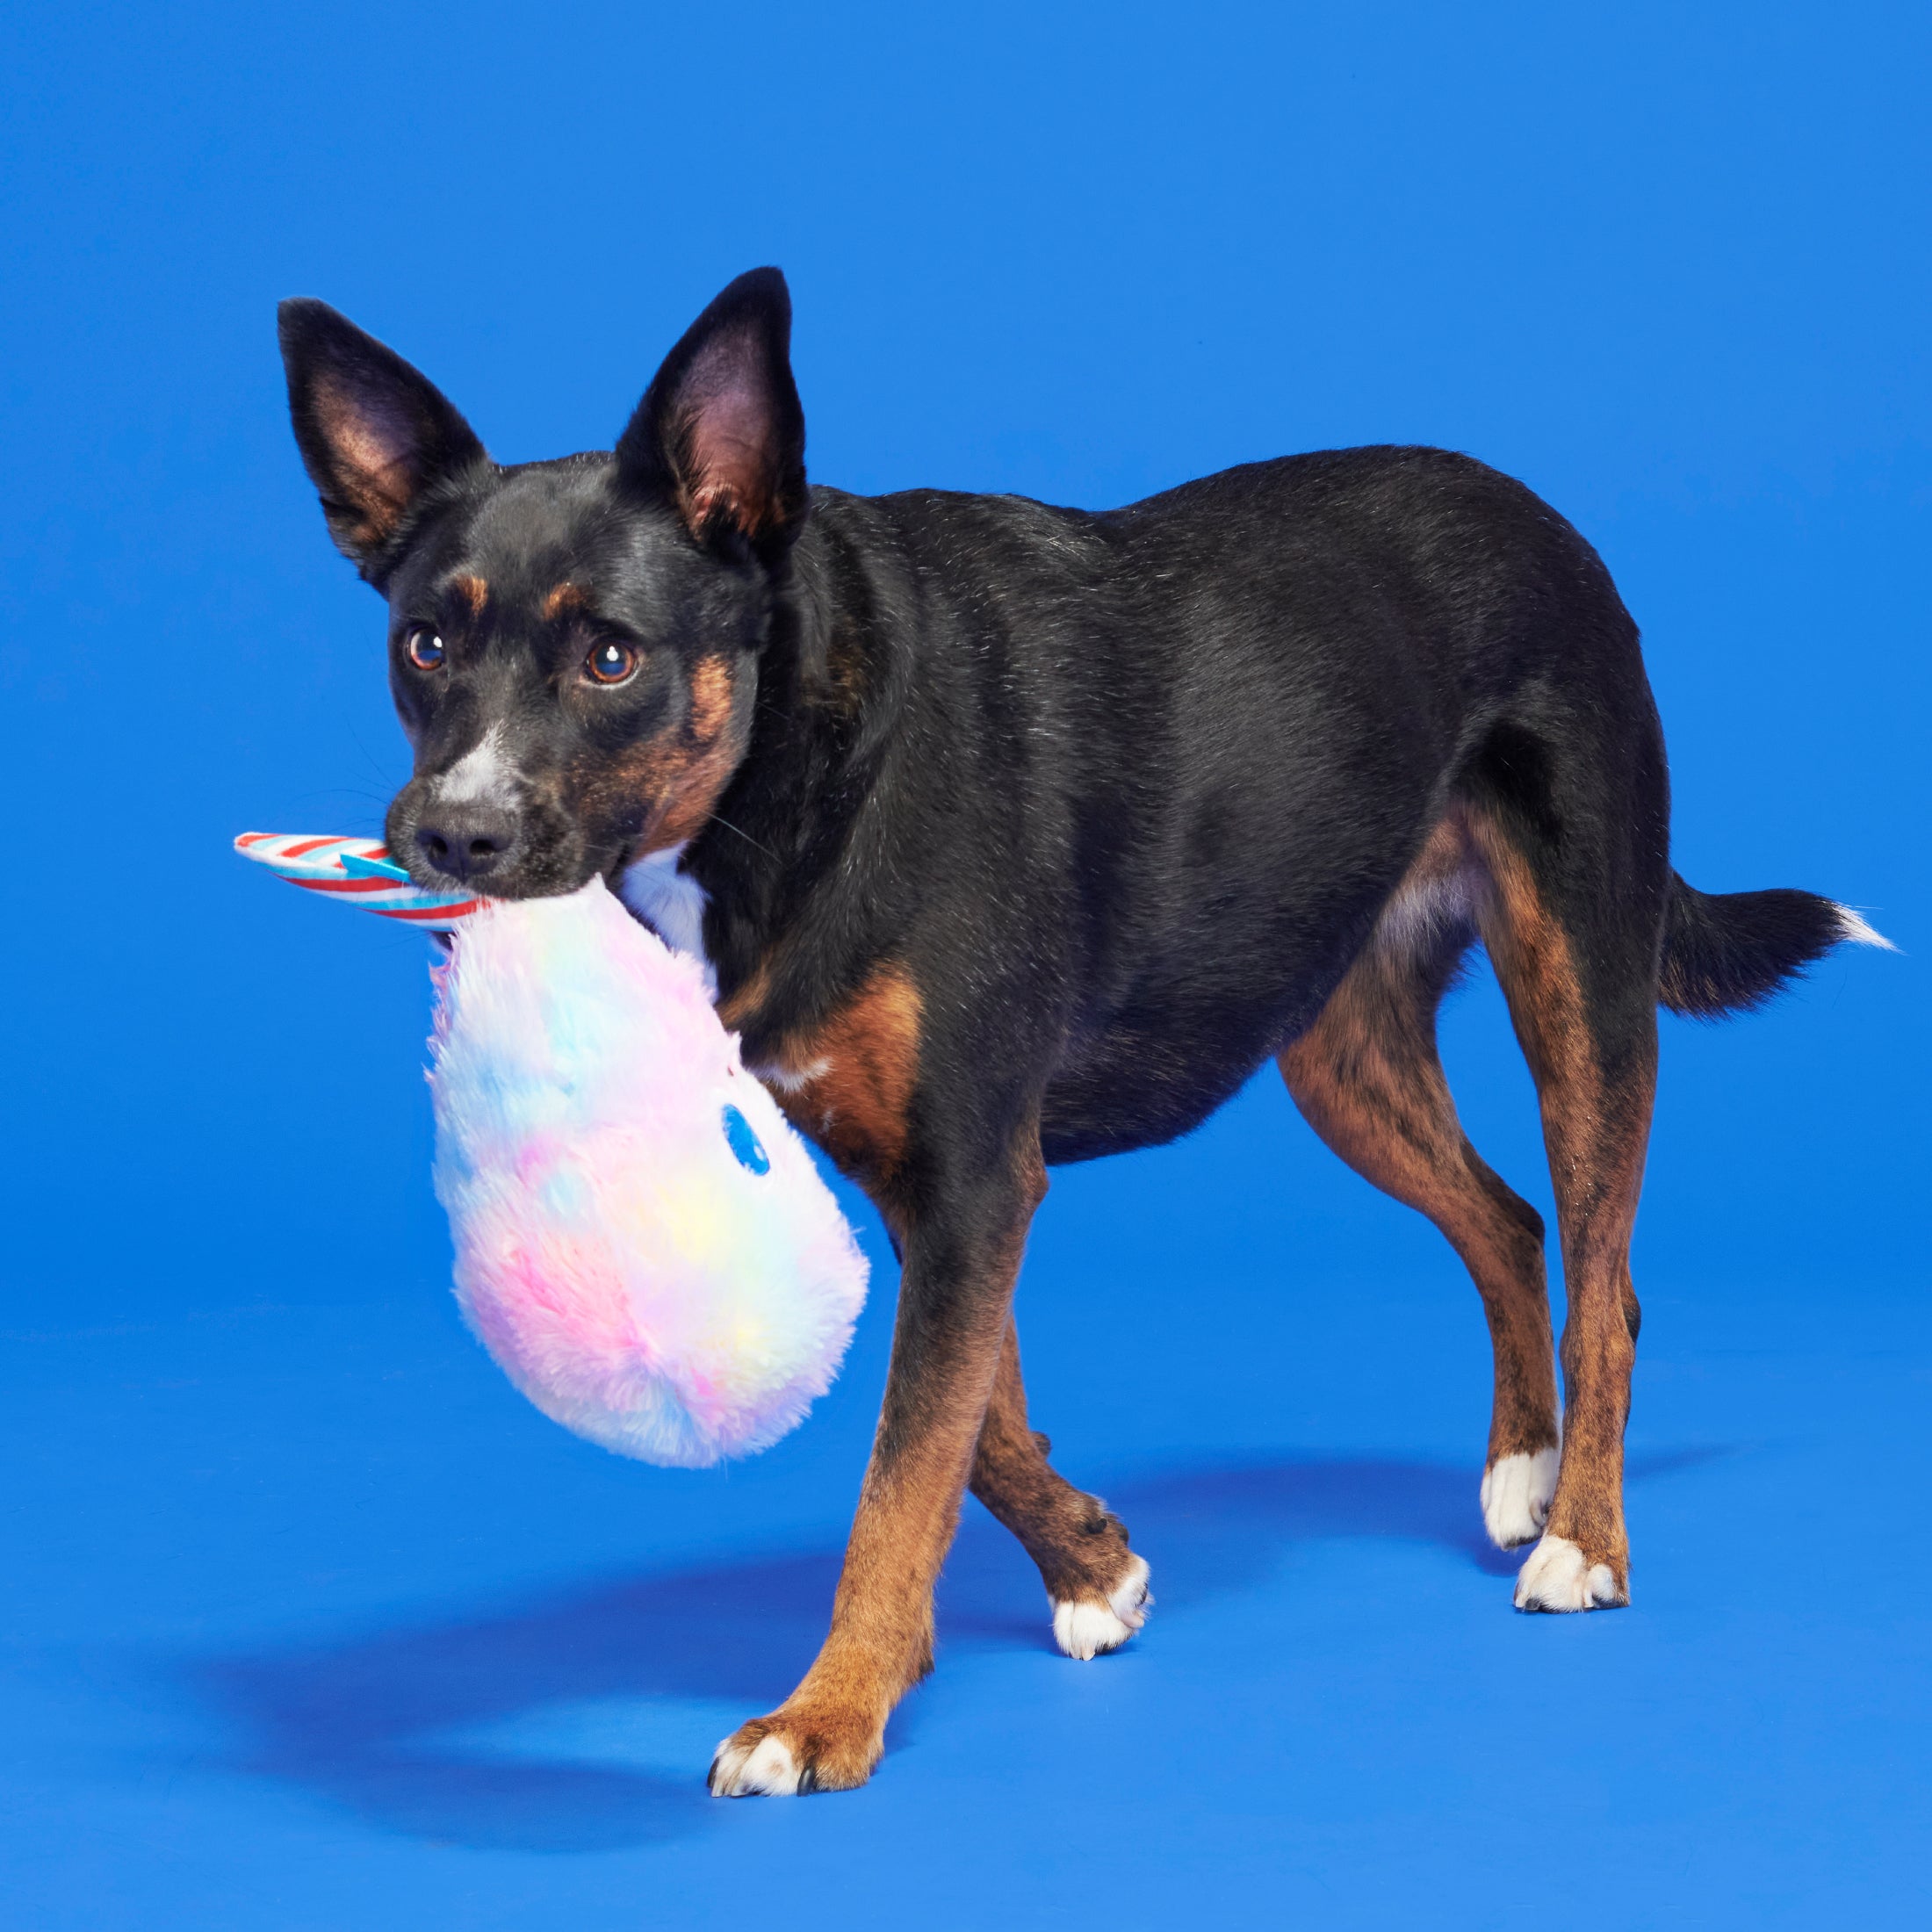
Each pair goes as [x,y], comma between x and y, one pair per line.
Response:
[642,1242]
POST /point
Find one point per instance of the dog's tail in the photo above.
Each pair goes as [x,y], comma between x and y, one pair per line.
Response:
[1729,952]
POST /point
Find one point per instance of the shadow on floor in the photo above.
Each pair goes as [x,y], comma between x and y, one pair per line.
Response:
[364,1724]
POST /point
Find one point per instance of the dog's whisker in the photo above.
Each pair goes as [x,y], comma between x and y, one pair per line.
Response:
[745,836]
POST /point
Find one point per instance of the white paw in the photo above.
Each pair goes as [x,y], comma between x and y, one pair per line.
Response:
[1516,1496]
[1085,1630]
[765,1770]
[1556,1577]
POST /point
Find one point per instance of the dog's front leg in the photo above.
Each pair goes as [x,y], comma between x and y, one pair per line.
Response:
[961,1242]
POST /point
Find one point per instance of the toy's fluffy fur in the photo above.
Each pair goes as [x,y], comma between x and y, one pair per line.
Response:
[634,1278]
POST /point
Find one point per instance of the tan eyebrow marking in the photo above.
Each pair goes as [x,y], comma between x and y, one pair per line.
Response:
[474,591]
[564,597]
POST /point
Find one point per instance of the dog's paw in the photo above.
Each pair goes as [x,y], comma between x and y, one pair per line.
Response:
[1560,1576]
[1085,1629]
[1516,1496]
[793,1752]
[760,1767]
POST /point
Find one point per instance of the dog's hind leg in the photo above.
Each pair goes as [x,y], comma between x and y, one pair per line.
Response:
[1574,927]
[1367,1077]
[1097,1586]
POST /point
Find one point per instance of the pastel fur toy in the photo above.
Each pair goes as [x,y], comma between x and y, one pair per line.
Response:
[642,1242]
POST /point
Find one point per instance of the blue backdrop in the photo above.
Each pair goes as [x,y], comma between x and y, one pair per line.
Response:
[308,1622]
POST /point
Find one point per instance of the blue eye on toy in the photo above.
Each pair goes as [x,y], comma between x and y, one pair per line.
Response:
[745,1143]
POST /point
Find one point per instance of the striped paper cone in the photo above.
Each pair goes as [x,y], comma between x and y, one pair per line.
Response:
[356,872]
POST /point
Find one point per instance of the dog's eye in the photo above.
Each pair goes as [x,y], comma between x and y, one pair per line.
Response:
[611,662]
[424,646]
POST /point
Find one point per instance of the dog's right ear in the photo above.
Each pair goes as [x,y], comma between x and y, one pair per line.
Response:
[374,433]
[720,432]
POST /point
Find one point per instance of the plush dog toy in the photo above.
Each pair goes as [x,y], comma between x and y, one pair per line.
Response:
[642,1242]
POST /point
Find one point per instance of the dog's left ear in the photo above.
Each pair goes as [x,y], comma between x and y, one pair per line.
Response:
[720,430]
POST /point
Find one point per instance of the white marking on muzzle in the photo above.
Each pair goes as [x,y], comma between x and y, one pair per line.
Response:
[482,776]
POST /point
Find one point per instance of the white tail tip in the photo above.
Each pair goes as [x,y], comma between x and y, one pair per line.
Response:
[1860,932]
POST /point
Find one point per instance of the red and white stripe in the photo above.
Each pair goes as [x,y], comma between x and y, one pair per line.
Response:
[316,865]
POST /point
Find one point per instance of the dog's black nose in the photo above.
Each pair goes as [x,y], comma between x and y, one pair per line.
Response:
[466,847]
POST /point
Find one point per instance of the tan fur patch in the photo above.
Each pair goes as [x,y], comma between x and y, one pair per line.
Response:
[849,1082]
[738,1007]
[474,591]
[679,775]
[564,597]
[695,782]
[710,698]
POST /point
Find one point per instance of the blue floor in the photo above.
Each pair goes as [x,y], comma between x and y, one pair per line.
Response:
[313,1624]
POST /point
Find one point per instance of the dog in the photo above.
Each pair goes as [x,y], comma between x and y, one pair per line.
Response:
[1014,835]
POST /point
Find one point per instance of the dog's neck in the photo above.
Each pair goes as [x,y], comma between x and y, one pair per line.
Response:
[829,686]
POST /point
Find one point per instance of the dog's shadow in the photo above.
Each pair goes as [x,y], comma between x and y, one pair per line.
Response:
[584,1723]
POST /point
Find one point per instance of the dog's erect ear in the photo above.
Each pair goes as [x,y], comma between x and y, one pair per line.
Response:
[374,433]
[720,430]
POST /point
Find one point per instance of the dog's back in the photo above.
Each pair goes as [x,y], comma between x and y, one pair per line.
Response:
[1180,755]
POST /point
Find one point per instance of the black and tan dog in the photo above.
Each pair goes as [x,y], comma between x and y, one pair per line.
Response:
[1016,835]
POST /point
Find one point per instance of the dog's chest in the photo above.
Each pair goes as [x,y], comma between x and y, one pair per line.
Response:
[672,903]
[847,1082]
